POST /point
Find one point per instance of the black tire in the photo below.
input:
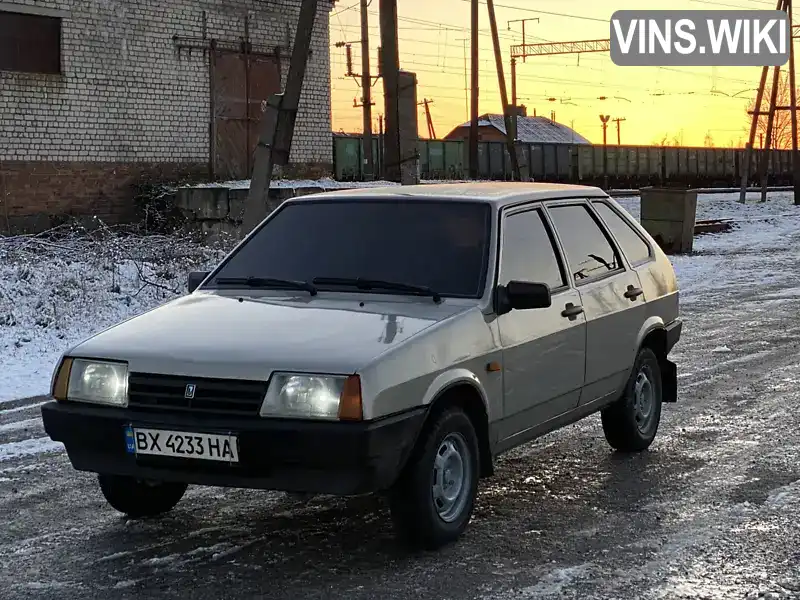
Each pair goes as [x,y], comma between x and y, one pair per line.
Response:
[414,511]
[623,431]
[139,499]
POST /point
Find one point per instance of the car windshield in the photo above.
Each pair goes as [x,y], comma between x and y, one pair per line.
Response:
[439,245]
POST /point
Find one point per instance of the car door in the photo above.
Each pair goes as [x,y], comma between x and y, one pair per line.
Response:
[544,351]
[610,294]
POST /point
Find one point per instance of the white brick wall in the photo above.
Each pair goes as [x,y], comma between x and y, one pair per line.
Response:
[126,96]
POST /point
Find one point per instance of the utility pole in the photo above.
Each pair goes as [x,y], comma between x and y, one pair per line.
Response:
[514,81]
[762,167]
[277,125]
[501,80]
[380,146]
[466,77]
[431,131]
[785,5]
[604,120]
[366,85]
[523,21]
[793,101]
[514,95]
[473,130]
[618,121]
[391,91]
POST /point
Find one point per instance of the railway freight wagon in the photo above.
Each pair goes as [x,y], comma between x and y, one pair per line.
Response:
[639,166]
[609,167]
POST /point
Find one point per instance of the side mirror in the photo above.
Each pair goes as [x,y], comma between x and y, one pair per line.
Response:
[196,278]
[524,295]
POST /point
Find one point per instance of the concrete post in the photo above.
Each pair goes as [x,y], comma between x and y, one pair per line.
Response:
[409,132]
[669,214]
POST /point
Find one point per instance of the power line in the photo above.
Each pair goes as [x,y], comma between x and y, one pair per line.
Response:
[445,27]
[545,12]
[712,2]
[341,10]
[598,58]
[759,2]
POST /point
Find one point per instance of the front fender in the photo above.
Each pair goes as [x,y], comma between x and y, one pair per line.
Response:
[451,378]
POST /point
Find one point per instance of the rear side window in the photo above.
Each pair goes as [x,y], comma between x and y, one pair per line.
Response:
[631,242]
[528,253]
[589,253]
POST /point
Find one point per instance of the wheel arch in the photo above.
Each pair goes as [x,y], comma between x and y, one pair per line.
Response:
[461,388]
[654,337]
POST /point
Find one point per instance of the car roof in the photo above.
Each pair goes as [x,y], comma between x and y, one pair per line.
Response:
[498,193]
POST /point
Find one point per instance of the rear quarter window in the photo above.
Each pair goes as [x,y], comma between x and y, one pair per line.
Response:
[631,243]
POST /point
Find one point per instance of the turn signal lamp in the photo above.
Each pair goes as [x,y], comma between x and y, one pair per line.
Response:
[350,408]
[61,380]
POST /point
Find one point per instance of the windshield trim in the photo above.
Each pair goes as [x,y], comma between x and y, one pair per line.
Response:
[479,294]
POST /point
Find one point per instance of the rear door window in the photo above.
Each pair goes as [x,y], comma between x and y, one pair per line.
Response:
[589,252]
[632,244]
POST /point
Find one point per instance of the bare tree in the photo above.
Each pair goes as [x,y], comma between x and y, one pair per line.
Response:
[782,122]
[708,141]
[676,141]
[662,141]
[739,143]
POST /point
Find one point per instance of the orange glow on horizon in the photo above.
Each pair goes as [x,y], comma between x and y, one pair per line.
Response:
[691,106]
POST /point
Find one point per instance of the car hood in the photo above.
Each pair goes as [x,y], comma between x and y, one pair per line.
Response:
[220,336]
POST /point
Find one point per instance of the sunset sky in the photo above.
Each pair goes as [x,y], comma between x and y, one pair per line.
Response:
[673,102]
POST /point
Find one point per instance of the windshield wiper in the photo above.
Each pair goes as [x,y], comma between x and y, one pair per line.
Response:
[371,284]
[269,282]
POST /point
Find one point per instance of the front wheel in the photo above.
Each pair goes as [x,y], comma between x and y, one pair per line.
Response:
[137,498]
[631,423]
[432,501]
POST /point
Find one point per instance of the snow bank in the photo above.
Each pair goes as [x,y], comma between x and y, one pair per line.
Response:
[60,288]
[325,183]
[31,447]
[57,289]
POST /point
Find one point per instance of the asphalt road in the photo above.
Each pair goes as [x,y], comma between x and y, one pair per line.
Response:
[710,511]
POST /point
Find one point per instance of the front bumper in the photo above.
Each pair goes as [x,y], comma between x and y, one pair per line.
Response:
[274,454]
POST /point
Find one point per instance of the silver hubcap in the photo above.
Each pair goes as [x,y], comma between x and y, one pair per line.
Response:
[644,395]
[452,477]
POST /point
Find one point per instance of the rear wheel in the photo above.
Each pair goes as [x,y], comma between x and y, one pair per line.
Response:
[631,423]
[137,498]
[432,502]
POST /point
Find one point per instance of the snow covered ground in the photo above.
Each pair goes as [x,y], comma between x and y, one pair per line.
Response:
[326,183]
[710,511]
[57,290]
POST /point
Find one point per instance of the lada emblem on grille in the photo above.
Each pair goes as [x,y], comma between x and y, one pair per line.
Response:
[189,393]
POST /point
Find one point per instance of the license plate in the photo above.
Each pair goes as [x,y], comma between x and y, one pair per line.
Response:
[182,444]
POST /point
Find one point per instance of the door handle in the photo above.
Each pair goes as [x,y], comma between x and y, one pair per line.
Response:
[571,311]
[633,292]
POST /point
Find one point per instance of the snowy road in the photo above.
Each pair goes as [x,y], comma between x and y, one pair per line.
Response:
[711,511]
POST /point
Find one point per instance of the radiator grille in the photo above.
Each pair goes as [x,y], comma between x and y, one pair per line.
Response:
[169,393]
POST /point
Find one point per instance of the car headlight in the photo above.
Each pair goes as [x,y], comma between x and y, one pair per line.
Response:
[94,381]
[313,397]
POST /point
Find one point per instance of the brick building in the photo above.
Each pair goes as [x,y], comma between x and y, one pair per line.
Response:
[97,95]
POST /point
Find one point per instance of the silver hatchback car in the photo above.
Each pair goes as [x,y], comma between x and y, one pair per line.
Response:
[389,340]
